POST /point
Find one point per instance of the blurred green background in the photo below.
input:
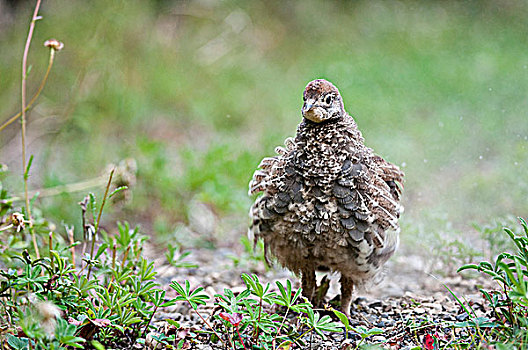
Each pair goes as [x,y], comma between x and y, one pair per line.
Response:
[197,92]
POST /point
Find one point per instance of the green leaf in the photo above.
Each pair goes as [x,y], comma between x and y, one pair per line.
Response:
[173,323]
[177,287]
[97,345]
[117,190]
[26,172]
[17,343]
[343,318]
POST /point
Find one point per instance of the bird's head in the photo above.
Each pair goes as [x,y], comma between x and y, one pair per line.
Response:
[322,102]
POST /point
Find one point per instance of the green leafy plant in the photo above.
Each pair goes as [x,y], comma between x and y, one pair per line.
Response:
[319,324]
[510,303]
[177,258]
[363,332]
[193,298]
[288,299]
[252,256]
[493,235]
[111,293]
[249,314]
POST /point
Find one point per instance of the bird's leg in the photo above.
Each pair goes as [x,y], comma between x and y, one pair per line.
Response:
[321,290]
[347,287]
[308,283]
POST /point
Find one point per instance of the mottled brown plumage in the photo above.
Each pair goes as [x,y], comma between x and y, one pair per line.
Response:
[328,202]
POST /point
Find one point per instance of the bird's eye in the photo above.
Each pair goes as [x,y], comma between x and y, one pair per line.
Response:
[328,99]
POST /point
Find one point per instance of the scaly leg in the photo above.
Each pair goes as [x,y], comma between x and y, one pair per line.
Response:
[347,287]
[308,284]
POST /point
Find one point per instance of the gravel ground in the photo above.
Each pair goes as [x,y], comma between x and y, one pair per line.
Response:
[408,306]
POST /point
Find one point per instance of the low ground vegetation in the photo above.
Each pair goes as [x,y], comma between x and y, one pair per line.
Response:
[95,287]
[101,292]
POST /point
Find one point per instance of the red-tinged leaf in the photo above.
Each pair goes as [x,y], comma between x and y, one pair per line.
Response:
[74,321]
[234,319]
[101,322]
[238,318]
[225,316]
[429,342]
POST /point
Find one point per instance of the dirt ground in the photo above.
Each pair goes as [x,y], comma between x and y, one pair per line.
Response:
[407,305]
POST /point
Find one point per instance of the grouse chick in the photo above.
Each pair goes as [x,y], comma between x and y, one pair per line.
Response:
[328,202]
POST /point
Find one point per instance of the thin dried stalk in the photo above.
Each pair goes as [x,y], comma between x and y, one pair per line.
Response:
[24,165]
[41,87]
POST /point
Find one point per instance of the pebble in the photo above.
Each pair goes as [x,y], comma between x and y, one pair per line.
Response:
[435,306]
[462,317]
[419,310]
[377,303]
[378,339]
[392,314]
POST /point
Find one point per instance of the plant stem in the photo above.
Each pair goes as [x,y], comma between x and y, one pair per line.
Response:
[114,251]
[231,342]
[208,325]
[302,335]
[282,323]
[256,333]
[149,321]
[6,227]
[34,98]
[50,247]
[68,188]
[70,237]
[240,337]
[104,201]
[99,220]
[24,77]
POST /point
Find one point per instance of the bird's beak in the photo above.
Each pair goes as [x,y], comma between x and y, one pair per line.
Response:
[307,106]
[310,113]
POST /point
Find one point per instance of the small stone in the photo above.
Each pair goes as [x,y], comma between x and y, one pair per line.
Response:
[371,319]
[152,343]
[376,303]
[389,323]
[462,317]
[448,317]
[419,310]
[360,300]
[434,306]
[379,339]
[210,291]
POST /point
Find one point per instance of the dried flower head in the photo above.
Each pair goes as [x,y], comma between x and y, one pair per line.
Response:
[49,312]
[54,44]
[125,172]
[17,220]
[124,178]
